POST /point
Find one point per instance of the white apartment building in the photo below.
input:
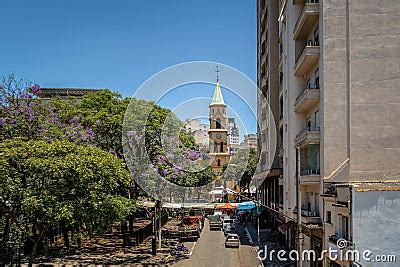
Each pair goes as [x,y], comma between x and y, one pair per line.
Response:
[329,71]
[198,129]
[233,136]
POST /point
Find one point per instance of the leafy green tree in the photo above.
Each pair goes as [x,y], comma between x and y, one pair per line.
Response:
[47,184]
[242,167]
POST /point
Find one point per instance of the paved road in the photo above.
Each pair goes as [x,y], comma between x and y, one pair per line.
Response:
[210,251]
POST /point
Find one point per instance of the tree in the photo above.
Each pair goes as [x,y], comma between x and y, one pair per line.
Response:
[242,167]
[24,115]
[47,184]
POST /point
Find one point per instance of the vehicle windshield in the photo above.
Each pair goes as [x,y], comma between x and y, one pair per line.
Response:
[232,237]
[228,221]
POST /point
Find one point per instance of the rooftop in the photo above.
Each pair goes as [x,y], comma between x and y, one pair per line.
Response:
[64,92]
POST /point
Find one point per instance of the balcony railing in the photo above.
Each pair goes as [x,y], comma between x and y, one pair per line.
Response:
[307,213]
[309,135]
[308,129]
[310,171]
[309,43]
[310,9]
[307,58]
[308,87]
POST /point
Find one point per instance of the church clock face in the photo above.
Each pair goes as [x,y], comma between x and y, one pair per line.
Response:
[218,136]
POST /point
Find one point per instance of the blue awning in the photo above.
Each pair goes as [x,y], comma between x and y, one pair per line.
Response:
[246,205]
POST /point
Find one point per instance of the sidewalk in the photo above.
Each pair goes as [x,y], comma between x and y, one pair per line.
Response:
[265,240]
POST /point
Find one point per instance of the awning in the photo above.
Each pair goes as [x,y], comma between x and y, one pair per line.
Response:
[216,192]
[286,226]
[246,205]
[226,206]
[260,209]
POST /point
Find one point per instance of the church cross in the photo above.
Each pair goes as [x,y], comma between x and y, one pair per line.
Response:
[217,71]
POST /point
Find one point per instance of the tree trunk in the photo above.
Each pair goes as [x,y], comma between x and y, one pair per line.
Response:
[125,239]
[198,195]
[6,232]
[33,252]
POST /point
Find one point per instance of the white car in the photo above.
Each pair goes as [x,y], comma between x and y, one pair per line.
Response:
[232,240]
[226,222]
[229,229]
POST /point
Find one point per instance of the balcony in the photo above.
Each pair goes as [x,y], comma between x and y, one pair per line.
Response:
[310,176]
[307,19]
[307,99]
[310,135]
[309,217]
[262,57]
[307,59]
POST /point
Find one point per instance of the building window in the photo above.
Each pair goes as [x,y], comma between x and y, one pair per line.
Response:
[329,217]
[308,123]
[218,162]
[222,147]
[316,35]
[343,227]
[316,118]
[316,75]
[218,123]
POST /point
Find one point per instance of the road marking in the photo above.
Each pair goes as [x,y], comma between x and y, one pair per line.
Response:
[191,250]
[248,236]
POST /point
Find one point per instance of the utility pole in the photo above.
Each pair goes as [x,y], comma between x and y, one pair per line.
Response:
[153,239]
[258,218]
[299,234]
[159,223]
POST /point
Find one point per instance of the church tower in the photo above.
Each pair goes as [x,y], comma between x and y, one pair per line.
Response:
[218,132]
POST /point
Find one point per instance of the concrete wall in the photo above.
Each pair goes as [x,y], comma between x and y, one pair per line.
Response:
[375,224]
[369,86]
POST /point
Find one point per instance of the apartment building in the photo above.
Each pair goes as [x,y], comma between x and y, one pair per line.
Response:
[332,85]
[233,136]
[198,129]
[249,141]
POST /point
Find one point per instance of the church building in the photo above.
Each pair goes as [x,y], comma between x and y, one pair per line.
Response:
[218,132]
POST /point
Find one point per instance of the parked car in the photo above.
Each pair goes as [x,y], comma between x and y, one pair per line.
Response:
[232,240]
[214,222]
[230,229]
[227,221]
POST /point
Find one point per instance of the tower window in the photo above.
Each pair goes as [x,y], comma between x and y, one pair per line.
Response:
[222,147]
[218,162]
[218,123]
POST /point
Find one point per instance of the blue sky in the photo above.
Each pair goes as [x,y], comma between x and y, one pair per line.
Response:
[120,44]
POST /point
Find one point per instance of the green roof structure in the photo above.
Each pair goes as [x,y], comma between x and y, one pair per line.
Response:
[217,98]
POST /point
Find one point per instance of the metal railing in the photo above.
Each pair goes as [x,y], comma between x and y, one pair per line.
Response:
[309,213]
[301,13]
[312,43]
[309,86]
[308,129]
[309,43]
[310,171]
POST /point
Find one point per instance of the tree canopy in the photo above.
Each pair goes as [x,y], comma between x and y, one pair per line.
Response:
[45,184]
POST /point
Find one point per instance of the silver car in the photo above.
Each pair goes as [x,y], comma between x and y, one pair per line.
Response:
[232,240]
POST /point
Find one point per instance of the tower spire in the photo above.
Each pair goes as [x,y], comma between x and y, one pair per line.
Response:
[217,71]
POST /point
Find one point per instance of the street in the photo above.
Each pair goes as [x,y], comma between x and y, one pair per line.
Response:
[210,251]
